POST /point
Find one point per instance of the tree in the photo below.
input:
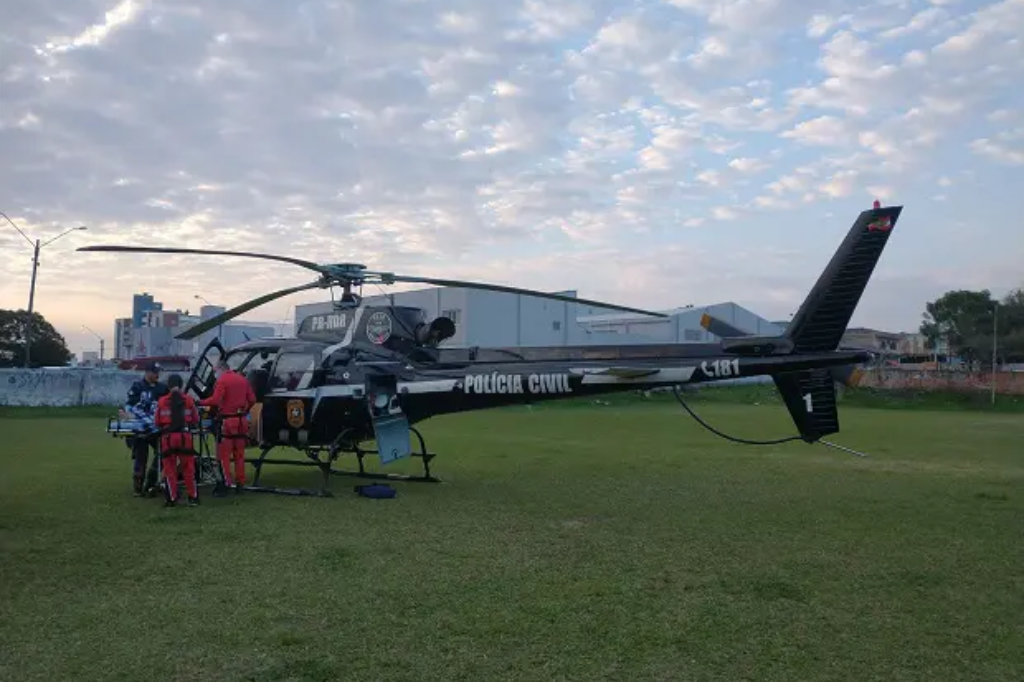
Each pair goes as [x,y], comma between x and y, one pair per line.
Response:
[1011,327]
[964,320]
[48,346]
[960,318]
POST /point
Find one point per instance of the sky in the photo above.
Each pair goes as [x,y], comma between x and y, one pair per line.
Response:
[655,154]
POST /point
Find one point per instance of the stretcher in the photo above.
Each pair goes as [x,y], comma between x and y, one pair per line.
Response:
[126,427]
[207,469]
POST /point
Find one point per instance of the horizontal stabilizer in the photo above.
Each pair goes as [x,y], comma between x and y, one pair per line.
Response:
[720,328]
[848,375]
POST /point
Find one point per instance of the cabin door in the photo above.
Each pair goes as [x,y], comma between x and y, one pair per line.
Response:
[201,380]
[390,425]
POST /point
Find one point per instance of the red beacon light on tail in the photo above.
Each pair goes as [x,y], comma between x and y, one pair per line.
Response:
[883,224]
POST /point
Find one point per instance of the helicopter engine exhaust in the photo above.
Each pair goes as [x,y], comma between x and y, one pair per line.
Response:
[438,330]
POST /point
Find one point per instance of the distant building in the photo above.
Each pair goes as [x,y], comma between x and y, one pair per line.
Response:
[155,336]
[914,344]
[142,304]
[886,343]
[123,337]
[149,333]
[905,344]
[229,334]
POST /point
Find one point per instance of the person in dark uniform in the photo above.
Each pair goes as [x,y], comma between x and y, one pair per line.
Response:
[141,405]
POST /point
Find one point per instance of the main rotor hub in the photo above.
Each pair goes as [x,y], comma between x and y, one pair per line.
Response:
[349,266]
[347,270]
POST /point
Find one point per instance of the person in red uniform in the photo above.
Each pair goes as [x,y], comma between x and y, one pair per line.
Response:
[232,397]
[176,413]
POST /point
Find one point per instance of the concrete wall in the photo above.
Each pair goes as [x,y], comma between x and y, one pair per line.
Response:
[1007,383]
[65,387]
[69,387]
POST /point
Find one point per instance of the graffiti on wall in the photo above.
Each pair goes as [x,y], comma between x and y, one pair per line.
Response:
[72,387]
[1007,383]
[69,387]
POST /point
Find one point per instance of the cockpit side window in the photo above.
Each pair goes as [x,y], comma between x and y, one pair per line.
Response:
[293,371]
[238,361]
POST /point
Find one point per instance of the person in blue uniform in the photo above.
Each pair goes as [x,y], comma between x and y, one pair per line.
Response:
[141,405]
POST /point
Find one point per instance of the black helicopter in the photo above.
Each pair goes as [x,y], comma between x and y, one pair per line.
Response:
[367,372]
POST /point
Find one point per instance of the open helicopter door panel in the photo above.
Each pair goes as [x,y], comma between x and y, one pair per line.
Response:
[390,425]
[201,380]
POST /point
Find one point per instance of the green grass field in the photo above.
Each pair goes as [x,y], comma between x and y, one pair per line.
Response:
[566,543]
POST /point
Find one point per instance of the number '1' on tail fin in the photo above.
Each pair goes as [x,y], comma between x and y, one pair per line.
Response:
[821,321]
[810,397]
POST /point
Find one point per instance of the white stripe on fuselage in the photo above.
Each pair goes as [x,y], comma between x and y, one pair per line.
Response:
[659,375]
[349,390]
[593,376]
[347,339]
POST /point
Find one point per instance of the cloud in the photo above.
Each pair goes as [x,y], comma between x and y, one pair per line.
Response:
[1000,149]
[823,130]
[747,165]
[922,21]
[459,139]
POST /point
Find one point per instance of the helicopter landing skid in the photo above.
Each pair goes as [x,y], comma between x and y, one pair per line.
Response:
[326,466]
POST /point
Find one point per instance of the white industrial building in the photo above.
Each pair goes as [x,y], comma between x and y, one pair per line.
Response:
[494,319]
[682,325]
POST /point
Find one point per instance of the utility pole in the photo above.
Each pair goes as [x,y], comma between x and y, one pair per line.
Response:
[102,342]
[995,338]
[31,303]
[36,246]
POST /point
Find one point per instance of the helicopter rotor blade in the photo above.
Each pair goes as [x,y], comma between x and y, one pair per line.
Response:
[208,252]
[336,273]
[389,278]
[217,320]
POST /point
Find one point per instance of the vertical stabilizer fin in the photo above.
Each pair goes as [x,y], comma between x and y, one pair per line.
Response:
[822,319]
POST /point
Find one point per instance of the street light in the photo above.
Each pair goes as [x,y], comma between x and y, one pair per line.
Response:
[36,246]
[220,327]
[102,341]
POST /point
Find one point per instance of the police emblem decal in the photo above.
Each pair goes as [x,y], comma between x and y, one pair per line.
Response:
[378,328]
[296,413]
